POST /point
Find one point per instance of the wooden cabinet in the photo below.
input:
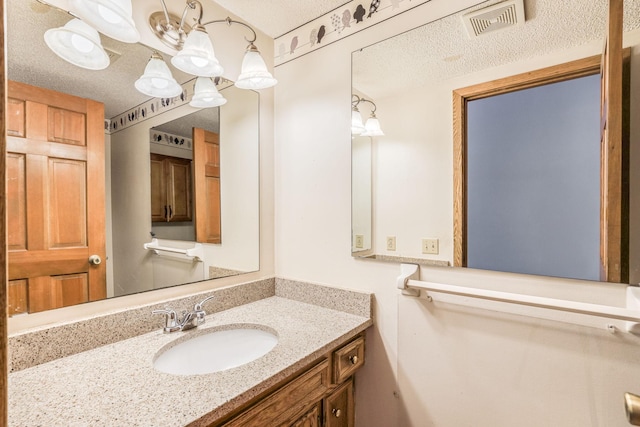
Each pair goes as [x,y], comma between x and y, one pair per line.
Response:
[311,418]
[321,395]
[170,189]
[339,410]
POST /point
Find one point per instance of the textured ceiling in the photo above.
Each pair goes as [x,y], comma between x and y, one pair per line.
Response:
[206,118]
[277,17]
[439,50]
[442,50]
[29,60]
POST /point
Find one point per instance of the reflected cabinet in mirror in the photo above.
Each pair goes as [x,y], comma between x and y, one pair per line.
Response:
[492,153]
[112,193]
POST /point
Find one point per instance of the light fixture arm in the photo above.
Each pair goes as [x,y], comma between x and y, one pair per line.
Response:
[358,100]
[191,4]
[230,21]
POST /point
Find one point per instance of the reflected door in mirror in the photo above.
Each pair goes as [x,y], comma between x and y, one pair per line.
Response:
[55,199]
[206,158]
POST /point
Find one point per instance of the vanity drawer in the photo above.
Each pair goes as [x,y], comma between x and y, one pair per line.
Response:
[347,359]
[283,404]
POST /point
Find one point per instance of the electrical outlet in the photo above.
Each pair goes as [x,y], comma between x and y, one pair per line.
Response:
[359,241]
[391,243]
[430,246]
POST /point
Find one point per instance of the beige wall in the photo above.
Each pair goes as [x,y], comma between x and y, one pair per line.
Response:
[442,365]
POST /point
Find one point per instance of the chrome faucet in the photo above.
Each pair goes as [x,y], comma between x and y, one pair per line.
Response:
[188,320]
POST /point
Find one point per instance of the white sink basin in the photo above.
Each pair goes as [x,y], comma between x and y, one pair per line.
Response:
[215,351]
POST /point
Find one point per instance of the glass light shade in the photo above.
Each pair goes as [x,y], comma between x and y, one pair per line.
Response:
[356,122]
[197,56]
[372,127]
[157,80]
[112,18]
[254,74]
[206,94]
[78,43]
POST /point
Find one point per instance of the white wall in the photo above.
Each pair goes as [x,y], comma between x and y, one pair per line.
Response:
[239,191]
[447,367]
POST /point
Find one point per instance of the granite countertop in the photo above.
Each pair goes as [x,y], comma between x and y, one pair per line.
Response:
[116,384]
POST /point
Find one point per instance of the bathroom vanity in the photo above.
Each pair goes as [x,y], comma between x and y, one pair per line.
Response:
[305,380]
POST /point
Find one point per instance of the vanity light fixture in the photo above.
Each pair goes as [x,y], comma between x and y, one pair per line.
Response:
[157,80]
[371,127]
[78,43]
[206,95]
[195,50]
[112,18]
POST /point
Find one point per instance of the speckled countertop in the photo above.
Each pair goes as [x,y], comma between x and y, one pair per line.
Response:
[116,384]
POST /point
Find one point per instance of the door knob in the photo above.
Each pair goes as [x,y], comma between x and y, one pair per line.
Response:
[95,260]
[632,408]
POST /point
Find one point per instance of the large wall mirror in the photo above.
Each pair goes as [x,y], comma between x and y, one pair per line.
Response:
[142,251]
[403,181]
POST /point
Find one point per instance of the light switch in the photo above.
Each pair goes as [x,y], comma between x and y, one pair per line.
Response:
[430,246]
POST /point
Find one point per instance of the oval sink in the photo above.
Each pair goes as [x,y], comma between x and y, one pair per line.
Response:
[215,351]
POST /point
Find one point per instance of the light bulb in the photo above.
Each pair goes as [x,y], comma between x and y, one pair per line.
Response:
[159,83]
[109,15]
[199,62]
[81,44]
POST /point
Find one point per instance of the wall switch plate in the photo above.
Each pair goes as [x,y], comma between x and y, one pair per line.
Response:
[359,241]
[391,243]
[430,246]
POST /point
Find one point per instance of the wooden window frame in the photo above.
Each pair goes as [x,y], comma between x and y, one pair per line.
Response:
[612,265]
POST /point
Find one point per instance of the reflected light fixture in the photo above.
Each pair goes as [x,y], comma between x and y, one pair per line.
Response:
[78,43]
[157,80]
[371,127]
[357,127]
[206,95]
[112,18]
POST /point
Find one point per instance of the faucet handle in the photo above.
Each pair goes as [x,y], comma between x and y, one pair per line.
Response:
[170,320]
[199,312]
[198,306]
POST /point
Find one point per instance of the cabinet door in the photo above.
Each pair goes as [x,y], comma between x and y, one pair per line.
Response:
[158,189]
[310,419]
[170,189]
[339,409]
[179,189]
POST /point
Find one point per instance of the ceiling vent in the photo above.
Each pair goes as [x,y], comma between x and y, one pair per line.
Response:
[493,18]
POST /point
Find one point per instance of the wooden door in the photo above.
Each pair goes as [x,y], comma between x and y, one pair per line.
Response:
[55,199]
[614,170]
[206,162]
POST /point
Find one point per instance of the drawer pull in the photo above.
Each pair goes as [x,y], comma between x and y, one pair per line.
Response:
[336,412]
[353,359]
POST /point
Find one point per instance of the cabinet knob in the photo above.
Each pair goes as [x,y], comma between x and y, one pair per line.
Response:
[336,412]
[95,260]
[353,359]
